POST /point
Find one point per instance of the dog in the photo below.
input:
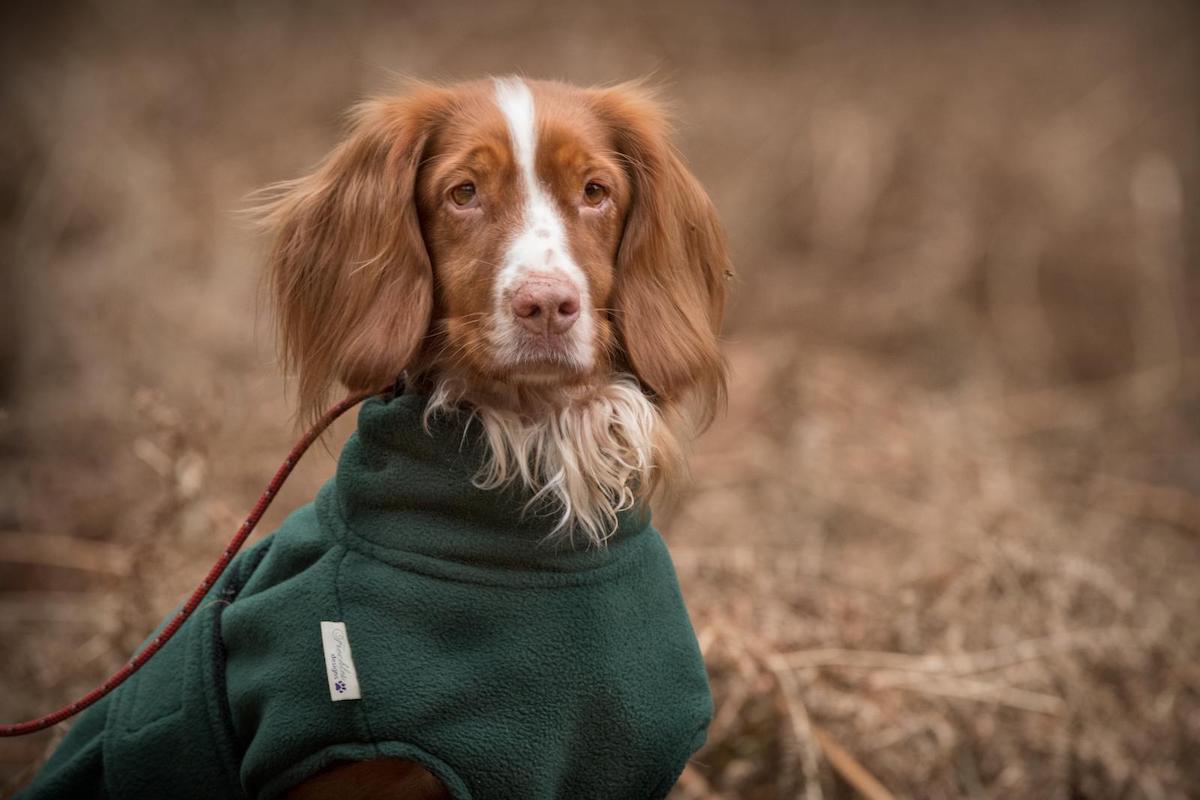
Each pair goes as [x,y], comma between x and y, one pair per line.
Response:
[533,250]
[539,264]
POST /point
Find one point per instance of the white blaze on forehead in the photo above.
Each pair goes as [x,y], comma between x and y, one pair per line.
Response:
[539,244]
[516,101]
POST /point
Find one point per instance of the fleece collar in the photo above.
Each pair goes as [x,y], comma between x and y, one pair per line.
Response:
[404,492]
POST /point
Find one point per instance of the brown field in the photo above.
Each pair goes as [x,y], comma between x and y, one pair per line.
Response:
[946,541]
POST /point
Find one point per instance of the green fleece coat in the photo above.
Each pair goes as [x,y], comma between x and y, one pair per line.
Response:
[509,665]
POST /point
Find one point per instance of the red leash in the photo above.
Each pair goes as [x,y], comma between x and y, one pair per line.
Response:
[123,674]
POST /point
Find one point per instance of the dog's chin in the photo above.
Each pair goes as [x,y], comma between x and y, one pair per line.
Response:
[546,373]
[516,379]
[539,361]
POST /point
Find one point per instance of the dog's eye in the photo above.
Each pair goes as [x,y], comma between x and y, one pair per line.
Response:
[594,193]
[463,194]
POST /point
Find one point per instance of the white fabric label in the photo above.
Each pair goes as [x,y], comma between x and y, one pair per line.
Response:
[339,663]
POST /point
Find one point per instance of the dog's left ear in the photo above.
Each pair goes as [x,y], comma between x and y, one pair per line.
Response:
[672,264]
[350,275]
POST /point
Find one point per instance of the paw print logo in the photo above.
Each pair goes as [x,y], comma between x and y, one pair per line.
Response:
[340,686]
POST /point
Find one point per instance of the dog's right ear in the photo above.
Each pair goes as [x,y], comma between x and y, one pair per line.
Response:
[673,263]
[349,273]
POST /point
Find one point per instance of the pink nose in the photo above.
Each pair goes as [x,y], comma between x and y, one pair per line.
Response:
[546,305]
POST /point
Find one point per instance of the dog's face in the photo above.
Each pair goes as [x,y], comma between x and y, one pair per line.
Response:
[509,232]
[522,204]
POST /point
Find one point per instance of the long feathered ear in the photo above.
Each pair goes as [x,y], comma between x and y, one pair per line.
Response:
[349,273]
[672,264]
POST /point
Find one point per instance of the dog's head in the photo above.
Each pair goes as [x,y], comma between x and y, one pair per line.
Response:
[511,233]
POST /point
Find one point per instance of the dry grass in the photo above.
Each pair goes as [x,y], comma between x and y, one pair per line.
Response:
[943,592]
[945,542]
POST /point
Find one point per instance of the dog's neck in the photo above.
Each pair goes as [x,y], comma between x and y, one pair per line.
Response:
[594,450]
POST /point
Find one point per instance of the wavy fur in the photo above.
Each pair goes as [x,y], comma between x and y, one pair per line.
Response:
[591,458]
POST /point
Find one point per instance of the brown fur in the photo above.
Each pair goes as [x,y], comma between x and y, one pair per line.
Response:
[364,266]
[374,272]
[673,262]
[378,779]
[352,281]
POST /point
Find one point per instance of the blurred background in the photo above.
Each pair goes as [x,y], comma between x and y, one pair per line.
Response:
[946,542]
